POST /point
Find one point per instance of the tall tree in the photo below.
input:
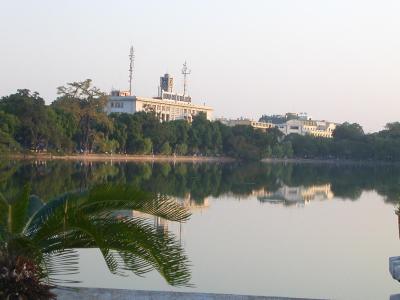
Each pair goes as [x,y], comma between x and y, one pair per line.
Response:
[86,103]
[346,130]
[36,128]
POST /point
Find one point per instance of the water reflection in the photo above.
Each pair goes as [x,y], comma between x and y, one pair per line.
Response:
[353,235]
[162,224]
[38,241]
[299,195]
[196,182]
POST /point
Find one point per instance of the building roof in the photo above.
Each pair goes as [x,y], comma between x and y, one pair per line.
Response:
[161,101]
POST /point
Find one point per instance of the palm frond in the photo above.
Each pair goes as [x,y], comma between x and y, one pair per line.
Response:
[3,213]
[59,264]
[19,214]
[126,244]
[86,220]
[108,197]
[55,206]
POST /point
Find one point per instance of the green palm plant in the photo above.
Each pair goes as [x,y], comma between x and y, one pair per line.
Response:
[87,220]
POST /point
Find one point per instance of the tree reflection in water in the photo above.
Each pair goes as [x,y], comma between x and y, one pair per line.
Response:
[52,178]
[38,242]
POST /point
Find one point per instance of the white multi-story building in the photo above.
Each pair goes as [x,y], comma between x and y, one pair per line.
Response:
[255,124]
[308,127]
[168,106]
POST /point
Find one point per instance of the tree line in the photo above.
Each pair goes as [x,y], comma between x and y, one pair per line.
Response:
[76,122]
[351,143]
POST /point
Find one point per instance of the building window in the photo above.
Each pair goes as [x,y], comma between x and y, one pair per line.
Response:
[117,104]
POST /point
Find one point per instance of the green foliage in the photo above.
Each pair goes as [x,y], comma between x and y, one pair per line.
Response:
[247,143]
[197,180]
[33,124]
[104,145]
[165,149]
[76,122]
[350,143]
[347,131]
[147,146]
[82,108]
[47,236]
[181,149]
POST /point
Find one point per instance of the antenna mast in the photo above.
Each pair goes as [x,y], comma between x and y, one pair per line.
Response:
[185,72]
[131,65]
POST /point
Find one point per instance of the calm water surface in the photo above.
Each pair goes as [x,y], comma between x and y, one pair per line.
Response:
[283,230]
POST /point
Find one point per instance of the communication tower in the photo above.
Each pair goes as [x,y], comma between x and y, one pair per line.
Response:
[131,65]
[185,73]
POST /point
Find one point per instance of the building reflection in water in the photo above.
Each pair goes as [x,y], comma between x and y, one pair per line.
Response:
[163,225]
[299,195]
[286,195]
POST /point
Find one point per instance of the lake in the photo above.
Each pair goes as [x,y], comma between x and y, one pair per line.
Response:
[295,230]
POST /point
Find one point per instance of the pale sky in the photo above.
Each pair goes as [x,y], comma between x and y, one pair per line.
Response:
[337,60]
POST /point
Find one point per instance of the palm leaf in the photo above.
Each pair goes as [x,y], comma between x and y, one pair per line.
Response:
[107,197]
[86,220]
[56,205]
[58,264]
[19,211]
[3,213]
[126,244]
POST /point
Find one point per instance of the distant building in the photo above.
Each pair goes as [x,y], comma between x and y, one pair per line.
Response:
[255,124]
[307,127]
[167,106]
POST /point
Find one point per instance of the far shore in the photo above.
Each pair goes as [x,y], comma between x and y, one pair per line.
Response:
[121,157]
[327,161]
[190,159]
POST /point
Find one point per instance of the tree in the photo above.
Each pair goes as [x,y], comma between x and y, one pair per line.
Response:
[200,134]
[181,149]
[86,104]
[392,130]
[37,127]
[165,149]
[268,152]
[287,149]
[348,131]
[8,127]
[104,145]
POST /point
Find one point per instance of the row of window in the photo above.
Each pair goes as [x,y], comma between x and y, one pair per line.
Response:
[261,124]
[172,110]
[117,104]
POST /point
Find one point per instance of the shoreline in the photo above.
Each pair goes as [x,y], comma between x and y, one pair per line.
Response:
[326,161]
[190,159]
[121,158]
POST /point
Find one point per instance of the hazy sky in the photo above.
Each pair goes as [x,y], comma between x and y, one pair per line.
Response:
[337,60]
